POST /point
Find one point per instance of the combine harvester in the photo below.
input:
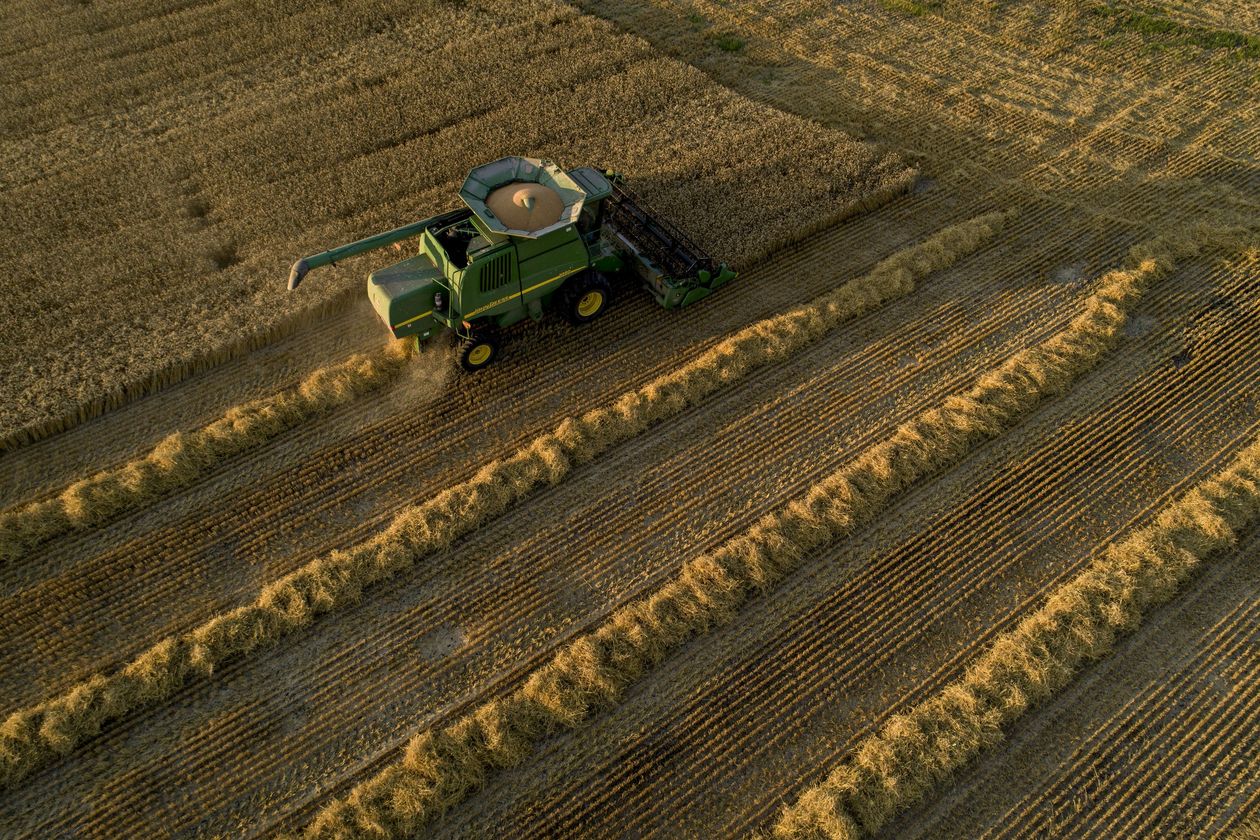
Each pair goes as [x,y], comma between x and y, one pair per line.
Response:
[533,238]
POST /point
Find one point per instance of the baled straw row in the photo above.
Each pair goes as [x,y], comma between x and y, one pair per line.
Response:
[440,767]
[184,457]
[916,751]
[30,737]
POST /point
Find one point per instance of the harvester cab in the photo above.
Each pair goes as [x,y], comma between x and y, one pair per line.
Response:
[531,238]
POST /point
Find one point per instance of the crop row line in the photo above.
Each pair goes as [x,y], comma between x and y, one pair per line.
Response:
[917,751]
[32,736]
[439,768]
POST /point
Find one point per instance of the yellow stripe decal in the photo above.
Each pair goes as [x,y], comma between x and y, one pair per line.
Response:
[552,280]
[491,305]
[417,318]
[470,315]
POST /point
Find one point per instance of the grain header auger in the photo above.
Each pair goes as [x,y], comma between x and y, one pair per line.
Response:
[532,238]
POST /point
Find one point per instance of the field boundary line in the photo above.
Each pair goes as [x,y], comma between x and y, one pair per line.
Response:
[35,735]
[181,458]
[439,768]
[915,752]
[174,373]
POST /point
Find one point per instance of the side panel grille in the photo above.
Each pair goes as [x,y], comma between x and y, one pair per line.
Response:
[496,273]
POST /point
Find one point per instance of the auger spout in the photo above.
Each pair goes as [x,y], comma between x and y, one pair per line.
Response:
[371,243]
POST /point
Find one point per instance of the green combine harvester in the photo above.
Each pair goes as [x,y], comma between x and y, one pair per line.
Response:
[532,239]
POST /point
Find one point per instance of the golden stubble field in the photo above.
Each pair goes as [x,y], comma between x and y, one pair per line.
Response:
[831,554]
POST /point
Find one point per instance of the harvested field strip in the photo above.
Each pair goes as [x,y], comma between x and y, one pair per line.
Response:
[1206,736]
[823,392]
[1221,14]
[406,631]
[33,736]
[917,751]
[503,599]
[440,768]
[839,85]
[167,563]
[1160,745]
[827,40]
[1158,666]
[121,819]
[1043,743]
[184,457]
[313,491]
[837,638]
[1165,31]
[763,810]
[505,591]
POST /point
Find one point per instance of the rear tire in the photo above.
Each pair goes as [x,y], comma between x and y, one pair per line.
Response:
[586,297]
[478,350]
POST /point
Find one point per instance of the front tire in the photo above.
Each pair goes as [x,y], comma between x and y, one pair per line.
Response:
[585,299]
[478,350]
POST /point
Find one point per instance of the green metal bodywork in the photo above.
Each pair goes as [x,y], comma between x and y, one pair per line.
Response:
[496,275]
[503,283]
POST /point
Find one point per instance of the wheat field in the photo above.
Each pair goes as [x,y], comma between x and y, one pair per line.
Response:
[941,520]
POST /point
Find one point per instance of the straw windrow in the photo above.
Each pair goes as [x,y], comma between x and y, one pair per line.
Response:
[184,457]
[917,751]
[30,737]
[442,766]
[1250,830]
